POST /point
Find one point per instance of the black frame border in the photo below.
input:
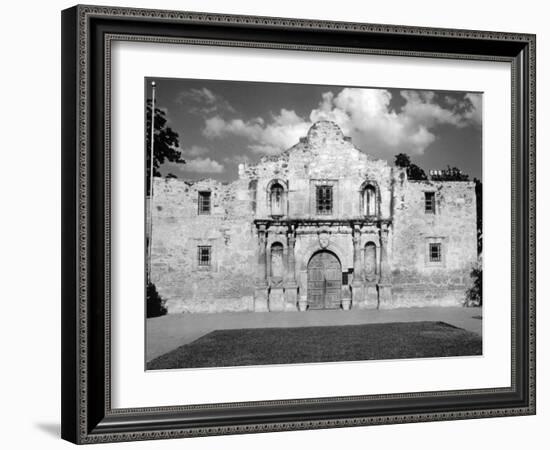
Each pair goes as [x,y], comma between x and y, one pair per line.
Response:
[87,33]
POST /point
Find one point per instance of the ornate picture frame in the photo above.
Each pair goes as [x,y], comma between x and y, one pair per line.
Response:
[88,33]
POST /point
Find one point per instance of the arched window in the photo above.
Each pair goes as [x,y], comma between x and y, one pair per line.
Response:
[276,199]
[369,201]
[277,266]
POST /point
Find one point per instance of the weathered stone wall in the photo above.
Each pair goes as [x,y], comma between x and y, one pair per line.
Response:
[324,156]
[241,222]
[416,281]
[177,232]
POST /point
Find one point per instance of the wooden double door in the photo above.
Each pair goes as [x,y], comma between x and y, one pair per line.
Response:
[324,281]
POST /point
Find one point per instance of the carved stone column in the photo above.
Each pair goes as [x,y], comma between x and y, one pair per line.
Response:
[262,255]
[385,285]
[357,283]
[276,271]
[371,272]
[260,293]
[384,264]
[291,287]
[302,301]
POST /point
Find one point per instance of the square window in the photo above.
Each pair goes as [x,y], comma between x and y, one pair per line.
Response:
[205,252]
[435,252]
[204,202]
[324,199]
[429,202]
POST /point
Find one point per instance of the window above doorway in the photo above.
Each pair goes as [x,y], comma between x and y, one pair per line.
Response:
[205,202]
[324,199]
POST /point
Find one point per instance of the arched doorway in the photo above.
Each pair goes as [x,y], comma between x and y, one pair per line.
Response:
[324,281]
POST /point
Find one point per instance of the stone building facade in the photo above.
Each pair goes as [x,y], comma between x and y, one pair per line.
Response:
[319,226]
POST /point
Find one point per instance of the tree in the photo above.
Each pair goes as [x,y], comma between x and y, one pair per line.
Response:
[166,143]
[414,172]
[402,160]
[155,304]
[474,295]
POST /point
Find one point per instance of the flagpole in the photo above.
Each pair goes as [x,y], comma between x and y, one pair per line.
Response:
[151,173]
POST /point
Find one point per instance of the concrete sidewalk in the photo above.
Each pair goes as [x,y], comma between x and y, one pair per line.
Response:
[169,332]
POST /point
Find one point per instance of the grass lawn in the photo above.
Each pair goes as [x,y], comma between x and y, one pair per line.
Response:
[257,346]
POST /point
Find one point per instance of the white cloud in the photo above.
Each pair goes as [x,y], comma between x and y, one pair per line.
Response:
[203,165]
[364,114]
[281,132]
[450,100]
[194,150]
[203,102]
[474,110]
[237,159]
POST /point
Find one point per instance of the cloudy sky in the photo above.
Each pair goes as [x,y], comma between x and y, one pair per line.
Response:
[223,123]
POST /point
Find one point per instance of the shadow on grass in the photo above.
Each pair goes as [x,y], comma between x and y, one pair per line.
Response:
[259,346]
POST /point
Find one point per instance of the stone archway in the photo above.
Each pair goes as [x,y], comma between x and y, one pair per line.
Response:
[324,281]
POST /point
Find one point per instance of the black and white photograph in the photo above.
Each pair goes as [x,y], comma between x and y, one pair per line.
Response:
[275,225]
[302,223]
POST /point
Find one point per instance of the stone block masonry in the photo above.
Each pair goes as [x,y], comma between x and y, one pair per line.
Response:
[321,225]
[418,277]
[179,230]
